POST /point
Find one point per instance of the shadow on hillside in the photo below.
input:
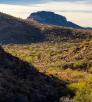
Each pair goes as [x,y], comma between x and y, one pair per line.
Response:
[17,31]
[21,82]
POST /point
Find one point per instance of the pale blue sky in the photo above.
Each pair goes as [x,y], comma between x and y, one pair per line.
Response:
[78,11]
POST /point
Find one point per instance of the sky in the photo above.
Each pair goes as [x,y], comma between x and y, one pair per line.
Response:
[78,11]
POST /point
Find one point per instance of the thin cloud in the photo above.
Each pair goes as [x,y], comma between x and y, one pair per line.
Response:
[77,11]
[25,2]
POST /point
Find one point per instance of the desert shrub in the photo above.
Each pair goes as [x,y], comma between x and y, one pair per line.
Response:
[80,65]
[75,65]
[84,95]
[83,90]
[90,70]
[67,65]
[29,59]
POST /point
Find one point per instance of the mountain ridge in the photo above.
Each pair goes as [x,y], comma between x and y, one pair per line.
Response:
[24,31]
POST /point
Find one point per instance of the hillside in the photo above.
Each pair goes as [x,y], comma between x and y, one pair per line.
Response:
[51,18]
[21,82]
[44,63]
[17,31]
[70,62]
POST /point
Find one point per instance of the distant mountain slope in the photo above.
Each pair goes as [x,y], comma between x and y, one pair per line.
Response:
[18,31]
[46,17]
[15,30]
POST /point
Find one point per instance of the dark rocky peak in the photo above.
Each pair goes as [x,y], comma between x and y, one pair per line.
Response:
[47,17]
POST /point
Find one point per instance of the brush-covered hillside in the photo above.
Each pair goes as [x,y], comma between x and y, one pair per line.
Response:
[20,81]
[44,63]
[70,62]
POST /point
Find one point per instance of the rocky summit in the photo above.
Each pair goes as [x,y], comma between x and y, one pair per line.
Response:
[52,18]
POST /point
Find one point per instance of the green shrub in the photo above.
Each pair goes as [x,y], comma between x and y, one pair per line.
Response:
[84,95]
[90,70]
[80,65]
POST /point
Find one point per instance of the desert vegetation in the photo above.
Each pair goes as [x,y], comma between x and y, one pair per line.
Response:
[44,63]
[67,61]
